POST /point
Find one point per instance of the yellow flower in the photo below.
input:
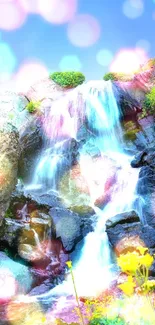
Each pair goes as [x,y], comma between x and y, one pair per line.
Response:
[129,262]
[128,287]
[142,249]
[149,285]
[69,264]
[146,260]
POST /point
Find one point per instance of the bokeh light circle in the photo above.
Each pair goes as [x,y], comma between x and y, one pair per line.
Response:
[133,8]
[57,11]
[12,15]
[104,57]
[7,284]
[143,44]
[28,74]
[83,30]
[70,63]
[30,6]
[128,60]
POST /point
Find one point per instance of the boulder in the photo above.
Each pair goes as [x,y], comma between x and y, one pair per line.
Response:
[125,232]
[16,278]
[68,227]
[145,187]
[28,126]
[9,156]
[125,217]
[45,89]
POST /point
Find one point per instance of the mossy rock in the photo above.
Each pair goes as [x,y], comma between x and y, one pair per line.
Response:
[68,79]
[130,131]
[117,76]
[131,135]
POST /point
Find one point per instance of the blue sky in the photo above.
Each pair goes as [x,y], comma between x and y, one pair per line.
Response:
[37,39]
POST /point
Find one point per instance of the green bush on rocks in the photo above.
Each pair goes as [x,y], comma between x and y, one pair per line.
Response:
[68,79]
[148,107]
[106,321]
[32,106]
[117,76]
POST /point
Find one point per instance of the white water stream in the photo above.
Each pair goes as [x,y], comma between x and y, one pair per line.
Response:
[93,271]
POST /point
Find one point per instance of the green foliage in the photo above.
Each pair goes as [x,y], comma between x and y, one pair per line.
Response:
[106,321]
[68,79]
[110,76]
[6,251]
[32,106]
[130,135]
[148,107]
[9,214]
[116,76]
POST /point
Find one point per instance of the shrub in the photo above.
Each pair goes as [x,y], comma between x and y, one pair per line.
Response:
[33,106]
[148,107]
[106,321]
[68,79]
[117,76]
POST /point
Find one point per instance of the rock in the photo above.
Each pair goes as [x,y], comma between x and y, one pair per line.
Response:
[148,236]
[12,110]
[125,232]
[16,277]
[126,217]
[148,208]
[145,138]
[9,155]
[121,231]
[28,126]
[138,160]
[28,232]
[68,227]
[128,244]
[31,143]
[143,158]
[146,180]
[45,89]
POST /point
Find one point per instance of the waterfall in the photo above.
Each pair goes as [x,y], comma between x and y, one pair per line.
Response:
[101,114]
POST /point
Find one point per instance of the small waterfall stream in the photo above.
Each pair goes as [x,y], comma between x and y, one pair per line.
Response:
[101,113]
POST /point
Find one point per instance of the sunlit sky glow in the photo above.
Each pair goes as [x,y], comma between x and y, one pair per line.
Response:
[93,37]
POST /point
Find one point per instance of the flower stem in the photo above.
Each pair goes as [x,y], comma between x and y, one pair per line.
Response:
[77,299]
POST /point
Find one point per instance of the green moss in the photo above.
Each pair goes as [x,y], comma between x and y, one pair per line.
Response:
[148,107]
[32,106]
[9,213]
[68,79]
[131,135]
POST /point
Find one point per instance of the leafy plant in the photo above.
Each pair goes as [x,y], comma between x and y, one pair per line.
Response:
[116,76]
[33,106]
[106,321]
[68,79]
[148,107]
[9,213]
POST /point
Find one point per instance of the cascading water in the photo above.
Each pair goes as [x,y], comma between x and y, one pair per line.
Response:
[102,116]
